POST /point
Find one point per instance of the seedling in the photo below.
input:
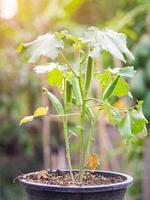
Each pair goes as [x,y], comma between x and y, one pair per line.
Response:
[74,84]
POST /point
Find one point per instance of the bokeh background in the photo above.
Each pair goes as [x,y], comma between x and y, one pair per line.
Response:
[40,144]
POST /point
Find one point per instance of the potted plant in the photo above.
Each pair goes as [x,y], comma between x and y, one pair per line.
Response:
[74,84]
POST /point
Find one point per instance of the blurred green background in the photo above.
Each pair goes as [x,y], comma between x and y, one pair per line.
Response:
[21,148]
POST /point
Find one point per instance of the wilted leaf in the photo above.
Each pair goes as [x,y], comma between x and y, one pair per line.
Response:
[45,45]
[138,120]
[40,111]
[92,161]
[112,113]
[133,123]
[124,71]
[108,40]
[125,127]
[26,119]
[39,69]
[120,104]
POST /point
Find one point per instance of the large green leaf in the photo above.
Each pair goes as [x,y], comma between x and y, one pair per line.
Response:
[108,40]
[121,89]
[48,45]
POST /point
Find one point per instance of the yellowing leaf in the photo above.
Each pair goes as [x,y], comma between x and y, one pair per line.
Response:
[92,161]
[26,119]
[120,104]
[40,111]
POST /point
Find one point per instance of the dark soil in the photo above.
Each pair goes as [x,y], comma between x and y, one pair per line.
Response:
[63,178]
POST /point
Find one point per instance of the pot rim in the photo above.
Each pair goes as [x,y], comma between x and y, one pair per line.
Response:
[128,181]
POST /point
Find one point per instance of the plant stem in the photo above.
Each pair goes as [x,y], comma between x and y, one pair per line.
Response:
[66,61]
[67,147]
[66,115]
[91,136]
[82,145]
[65,126]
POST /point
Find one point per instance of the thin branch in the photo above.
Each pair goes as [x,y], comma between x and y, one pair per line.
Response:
[66,61]
[69,114]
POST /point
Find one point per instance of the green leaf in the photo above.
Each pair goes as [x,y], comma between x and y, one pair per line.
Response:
[138,120]
[111,88]
[108,40]
[55,77]
[48,45]
[104,79]
[55,102]
[114,116]
[134,122]
[65,34]
[125,127]
[121,89]
[112,113]
[89,74]
[77,91]
[124,71]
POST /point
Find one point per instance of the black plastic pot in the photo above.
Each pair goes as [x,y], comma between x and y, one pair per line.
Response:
[114,191]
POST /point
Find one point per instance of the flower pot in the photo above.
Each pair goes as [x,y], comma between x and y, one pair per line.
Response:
[115,191]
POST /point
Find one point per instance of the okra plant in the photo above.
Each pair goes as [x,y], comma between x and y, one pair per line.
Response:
[74,79]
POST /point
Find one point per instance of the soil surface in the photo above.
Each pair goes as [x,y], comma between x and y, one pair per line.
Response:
[62,178]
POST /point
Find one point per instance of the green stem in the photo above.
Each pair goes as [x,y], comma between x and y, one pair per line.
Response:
[83,119]
[91,136]
[66,61]
[65,126]
[82,145]
[67,147]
